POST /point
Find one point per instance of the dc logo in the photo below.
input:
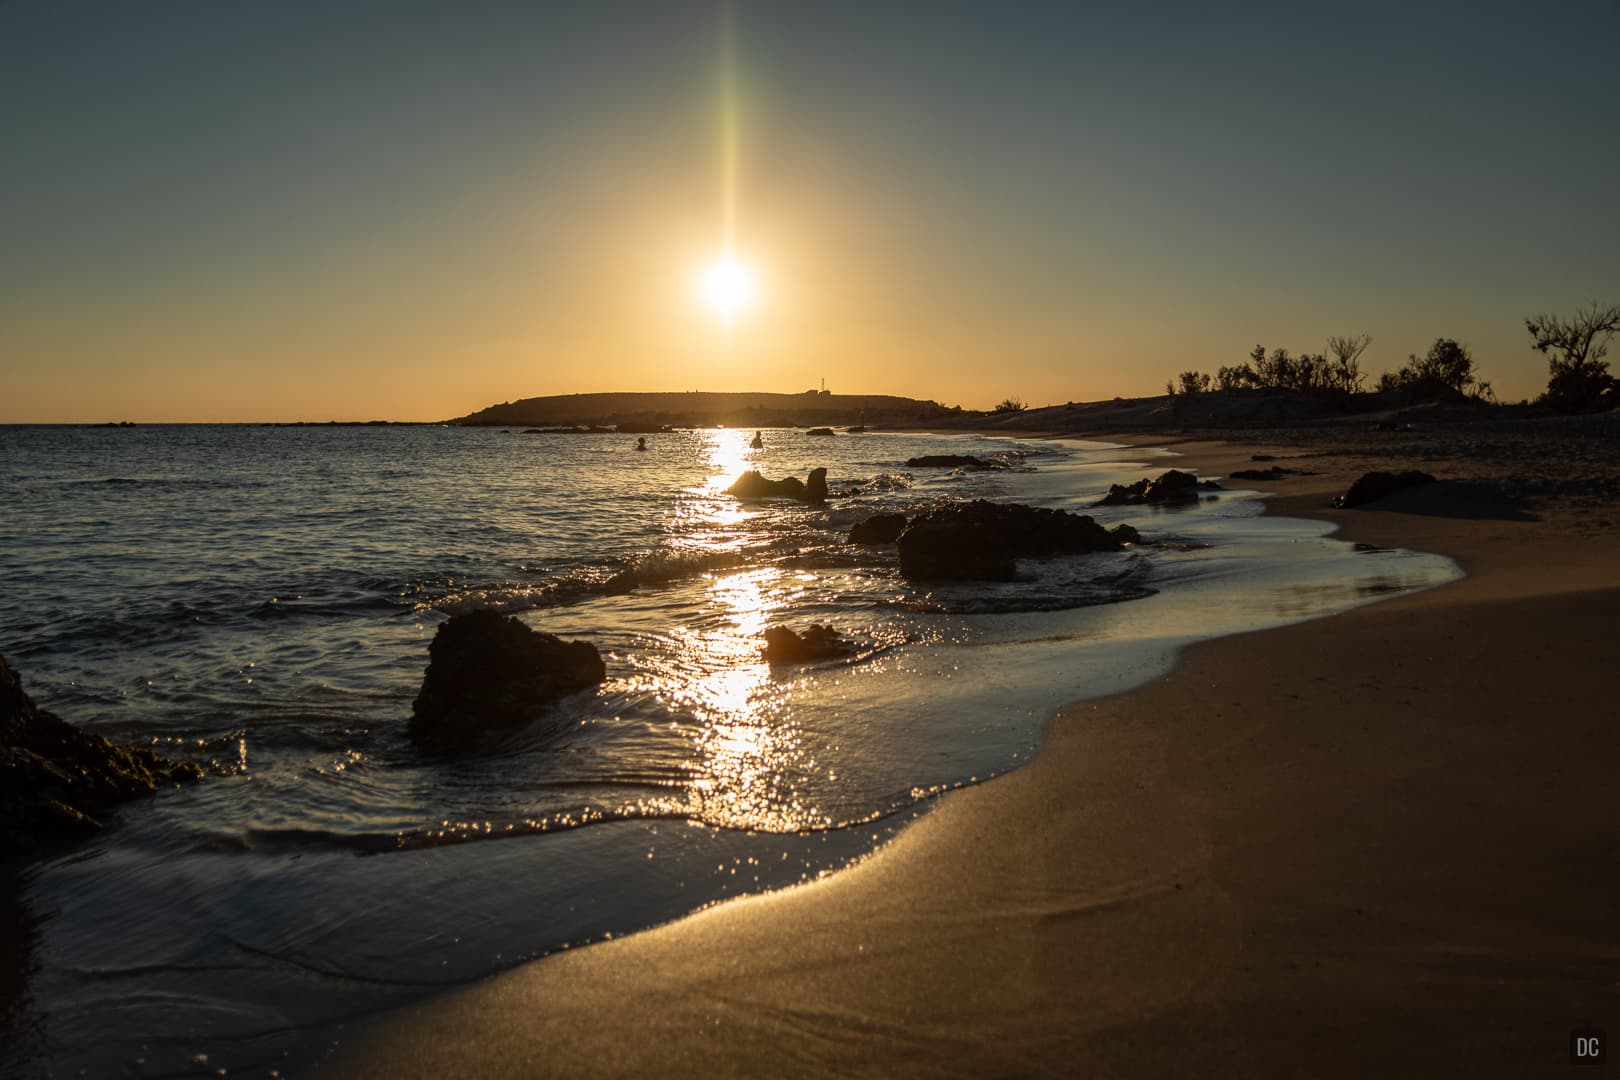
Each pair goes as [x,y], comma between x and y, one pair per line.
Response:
[1586,1047]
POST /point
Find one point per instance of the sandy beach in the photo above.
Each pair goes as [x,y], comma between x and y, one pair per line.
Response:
[1380,844]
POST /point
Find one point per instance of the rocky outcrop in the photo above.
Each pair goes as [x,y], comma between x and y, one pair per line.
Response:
[754,485]
[489,672]
[1169,488]
[979,540]
[821,431]
[783,646]
[815,487]
[1276,472]
[878,529]
[58,783]
[949,461]
[1375,485]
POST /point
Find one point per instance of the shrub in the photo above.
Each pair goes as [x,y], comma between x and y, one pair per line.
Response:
[1447,368]
[1193,382]
[1577,375]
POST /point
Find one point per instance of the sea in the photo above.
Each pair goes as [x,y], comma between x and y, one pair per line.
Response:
[260,599]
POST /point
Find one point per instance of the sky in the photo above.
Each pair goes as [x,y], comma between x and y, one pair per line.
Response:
[347,210]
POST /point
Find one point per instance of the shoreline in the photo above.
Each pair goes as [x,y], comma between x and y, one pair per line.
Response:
[1278,857]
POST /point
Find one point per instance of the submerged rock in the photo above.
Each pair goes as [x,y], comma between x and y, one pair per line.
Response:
[783,646]
[1125,534]
[1167,489]
[878,529]
[821,431]
[979,540]
[487,672]
[1375,485]
[58,783]
[949,461]
[754,485]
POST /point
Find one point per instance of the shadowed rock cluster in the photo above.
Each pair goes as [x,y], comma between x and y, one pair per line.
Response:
[489,672]
[753,485]
[58,783]
[951,461]
[979,540]
[878,529]
[1169,488]
[783,646]
[1375,485]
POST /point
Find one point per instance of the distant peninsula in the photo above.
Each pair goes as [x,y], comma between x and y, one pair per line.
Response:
[632,411]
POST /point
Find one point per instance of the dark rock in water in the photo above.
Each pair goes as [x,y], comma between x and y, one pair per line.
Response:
[1375,485]
[1125,534]
[487,671]
[878,529]
[1262,457]
[978,541]
[821,431]
[1169,488]
[753,485]
[58,783]
[949,461]
[815,487]
[783,646]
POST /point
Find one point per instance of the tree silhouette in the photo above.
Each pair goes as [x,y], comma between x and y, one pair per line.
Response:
[1346,351]
[1578,376]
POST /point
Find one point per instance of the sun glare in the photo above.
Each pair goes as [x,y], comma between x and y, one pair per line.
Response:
[728,287]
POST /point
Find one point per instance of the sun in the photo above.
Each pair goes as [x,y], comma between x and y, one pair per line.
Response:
[728,287]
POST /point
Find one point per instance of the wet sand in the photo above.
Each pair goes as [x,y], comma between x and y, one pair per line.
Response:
[1381,844]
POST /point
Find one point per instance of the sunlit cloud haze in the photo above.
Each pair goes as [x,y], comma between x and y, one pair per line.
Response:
[313,211]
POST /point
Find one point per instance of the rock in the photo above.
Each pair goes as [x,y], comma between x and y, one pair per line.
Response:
[1169,488]
[487,671]
[1125,534]
[783,646]
[878,529]
[58,783]
[1375,485]
[1276,472]
[979,540]
[753,485]
[949,461]
[815,488]
[821,431]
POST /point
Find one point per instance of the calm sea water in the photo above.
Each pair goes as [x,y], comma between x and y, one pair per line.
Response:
[261,599]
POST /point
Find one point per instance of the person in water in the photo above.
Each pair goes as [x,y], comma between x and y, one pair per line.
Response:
[641,443]
[758,443]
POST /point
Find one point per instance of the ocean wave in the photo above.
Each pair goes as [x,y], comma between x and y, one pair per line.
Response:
[1062,584]
[651,570]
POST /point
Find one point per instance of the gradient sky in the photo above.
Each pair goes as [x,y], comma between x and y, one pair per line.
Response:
[350,210]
